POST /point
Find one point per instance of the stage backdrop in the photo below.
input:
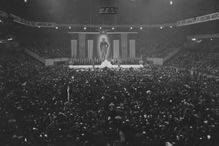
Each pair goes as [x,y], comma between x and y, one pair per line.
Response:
[120,46]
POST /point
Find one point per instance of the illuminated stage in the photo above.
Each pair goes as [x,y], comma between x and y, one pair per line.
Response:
[99,66]
[104,64]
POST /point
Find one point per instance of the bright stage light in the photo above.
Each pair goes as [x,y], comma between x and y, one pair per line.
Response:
[131,28]
[161,27]
[10,39]
[69,27]
[193,39]
[100,27]
[85,28]
[57,27]
[199,41]
[113,28]
[25,1]
[171,2]
[141,28]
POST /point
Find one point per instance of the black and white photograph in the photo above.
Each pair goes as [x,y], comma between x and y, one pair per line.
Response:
[109,72]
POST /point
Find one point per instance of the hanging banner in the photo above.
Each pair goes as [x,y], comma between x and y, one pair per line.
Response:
[31,23]
[115,49]
[108,10]
[124,46]
[114,10]
[74,48]
[200,19]
[45,24]
[82,42]
[23,21]
[90,49]
[132,48]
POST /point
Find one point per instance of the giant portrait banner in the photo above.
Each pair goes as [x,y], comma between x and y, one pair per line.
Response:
[103,46]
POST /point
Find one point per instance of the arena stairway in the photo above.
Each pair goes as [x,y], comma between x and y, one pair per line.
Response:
[171,55]
[34,55]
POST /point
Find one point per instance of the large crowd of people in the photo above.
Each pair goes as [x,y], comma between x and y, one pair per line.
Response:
[156,49]
[202,57]
[45,43]
[50,48]
[159,43]
[176,104]
[103,107]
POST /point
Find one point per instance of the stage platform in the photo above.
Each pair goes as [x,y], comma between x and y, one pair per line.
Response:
[100,66]
[104,64]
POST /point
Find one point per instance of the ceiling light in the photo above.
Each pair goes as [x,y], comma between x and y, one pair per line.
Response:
[171,2]
[193,39]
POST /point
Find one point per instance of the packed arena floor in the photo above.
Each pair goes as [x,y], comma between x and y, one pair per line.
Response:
[109,73]
[202,57]
[150,106]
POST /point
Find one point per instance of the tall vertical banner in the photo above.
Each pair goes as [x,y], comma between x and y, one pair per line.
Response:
[132,48]
[90,45]
[74,48]
[115,49]
[124,41]
[82,41]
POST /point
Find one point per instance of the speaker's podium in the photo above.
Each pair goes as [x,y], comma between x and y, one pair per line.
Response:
[106,63]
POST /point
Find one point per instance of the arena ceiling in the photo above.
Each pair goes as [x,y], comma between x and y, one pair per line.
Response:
[129,11]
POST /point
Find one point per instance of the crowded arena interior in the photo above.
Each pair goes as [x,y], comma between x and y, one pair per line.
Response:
[109,72]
